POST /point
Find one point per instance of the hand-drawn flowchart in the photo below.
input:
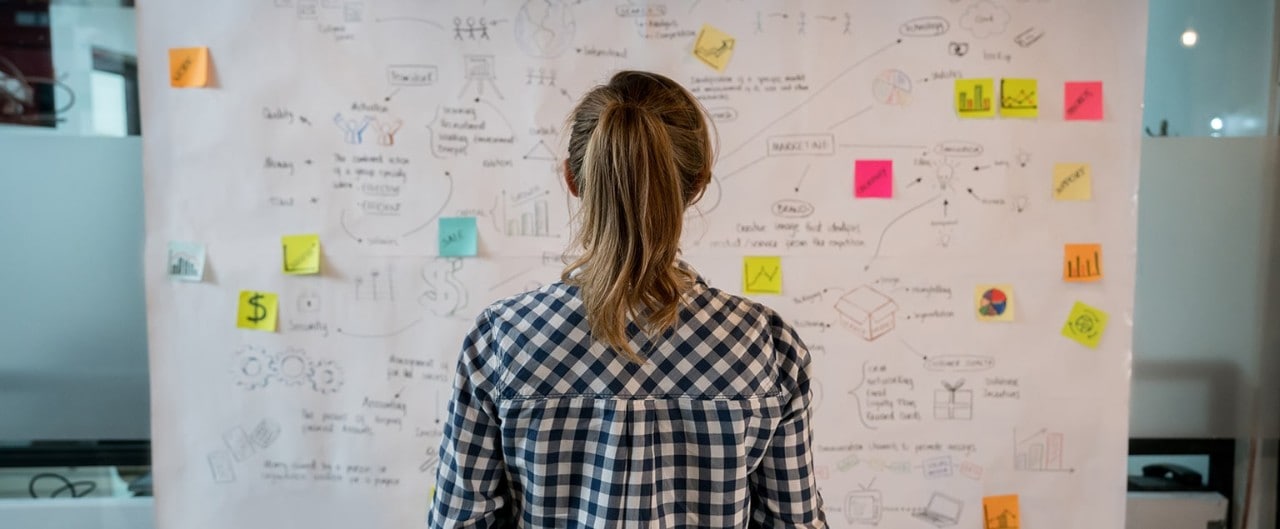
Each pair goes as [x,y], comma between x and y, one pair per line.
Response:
[925,190]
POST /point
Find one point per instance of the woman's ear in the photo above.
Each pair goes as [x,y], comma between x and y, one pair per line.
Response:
[569,180]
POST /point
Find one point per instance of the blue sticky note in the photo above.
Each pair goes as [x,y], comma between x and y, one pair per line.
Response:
[457,236]
[186,261]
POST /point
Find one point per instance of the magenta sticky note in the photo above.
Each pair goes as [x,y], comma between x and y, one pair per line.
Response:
[873,178]
[1082,101]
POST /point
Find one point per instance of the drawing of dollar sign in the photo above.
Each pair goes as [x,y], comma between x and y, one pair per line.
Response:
[259,311]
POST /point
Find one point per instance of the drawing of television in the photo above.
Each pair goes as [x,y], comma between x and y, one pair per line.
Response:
[863,507]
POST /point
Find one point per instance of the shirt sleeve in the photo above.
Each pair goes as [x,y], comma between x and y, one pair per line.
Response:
[471,487]
[784,488]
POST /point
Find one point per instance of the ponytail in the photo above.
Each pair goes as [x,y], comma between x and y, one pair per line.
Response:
[639,154]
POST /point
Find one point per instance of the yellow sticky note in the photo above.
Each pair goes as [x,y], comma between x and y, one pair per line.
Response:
[189,67]
[257,311]
[762,275]
[975,98]
[301,254]
[713,47]
[1081,262]
[1018,98]
[1072,181]
[1001,512]
[993,302]
[1085,324]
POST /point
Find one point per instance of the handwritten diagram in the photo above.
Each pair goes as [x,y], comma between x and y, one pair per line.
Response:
[929,193]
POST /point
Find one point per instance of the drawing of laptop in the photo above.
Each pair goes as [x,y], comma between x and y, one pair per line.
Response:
[942,511]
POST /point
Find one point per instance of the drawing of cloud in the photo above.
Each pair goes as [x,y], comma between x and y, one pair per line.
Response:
[985,19]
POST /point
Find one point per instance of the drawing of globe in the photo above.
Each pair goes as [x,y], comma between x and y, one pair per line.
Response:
[544,28]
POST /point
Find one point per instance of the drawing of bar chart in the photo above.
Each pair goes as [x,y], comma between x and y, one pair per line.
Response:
[1041,452]
[973,97]
[530,221]
[524,215]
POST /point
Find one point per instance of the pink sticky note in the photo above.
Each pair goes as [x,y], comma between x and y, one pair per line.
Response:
[1082,101]
[873,178]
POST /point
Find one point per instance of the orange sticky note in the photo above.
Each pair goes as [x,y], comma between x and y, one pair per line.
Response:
[1081,262]
[189,67]
[1001,512]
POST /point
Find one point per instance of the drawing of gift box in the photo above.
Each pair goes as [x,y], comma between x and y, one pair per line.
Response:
[953,403]
[867,312]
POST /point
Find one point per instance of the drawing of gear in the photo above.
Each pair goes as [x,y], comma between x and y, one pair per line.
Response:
[291,366]
[326,377]
[252,367]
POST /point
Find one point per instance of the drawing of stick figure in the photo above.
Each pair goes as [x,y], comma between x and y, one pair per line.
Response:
[484,29]
[352,130]
[387,131]
[457,28]
[471,28]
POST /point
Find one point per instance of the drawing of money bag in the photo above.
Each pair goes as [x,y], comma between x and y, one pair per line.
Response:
[445,294]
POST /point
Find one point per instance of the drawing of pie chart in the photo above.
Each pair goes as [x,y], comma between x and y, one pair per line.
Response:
[994,302]
[892,87]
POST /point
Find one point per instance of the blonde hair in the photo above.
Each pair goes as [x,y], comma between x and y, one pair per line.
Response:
[639,154]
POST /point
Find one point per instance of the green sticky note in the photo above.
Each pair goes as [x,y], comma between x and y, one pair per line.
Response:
[762,275]
[457,237]
[1085,324]
[301,254]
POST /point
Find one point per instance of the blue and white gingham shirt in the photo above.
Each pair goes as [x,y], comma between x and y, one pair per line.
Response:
[548,428]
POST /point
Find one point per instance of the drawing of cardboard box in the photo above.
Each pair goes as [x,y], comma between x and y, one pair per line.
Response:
[867,312]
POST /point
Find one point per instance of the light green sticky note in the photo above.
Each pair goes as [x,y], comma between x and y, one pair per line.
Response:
[457,237]
[762,275]
[301,254]
[1085,324]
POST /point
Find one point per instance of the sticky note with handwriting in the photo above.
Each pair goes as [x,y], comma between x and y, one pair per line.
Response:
[762,275]
[873,178]
[301,254]
[1001,512]
[1018,98]
[975,98]
[457,237]
[1085,324]
[1081,262]
[713,47]
[1072,181]
[189,67]
[257,311]
[186,261]
[1082,101]
[993,302]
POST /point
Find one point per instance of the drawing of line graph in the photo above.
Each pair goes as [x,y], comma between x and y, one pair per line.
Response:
[763,276]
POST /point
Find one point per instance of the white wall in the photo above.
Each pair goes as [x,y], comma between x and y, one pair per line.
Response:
[1208,301]
[1226,74]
